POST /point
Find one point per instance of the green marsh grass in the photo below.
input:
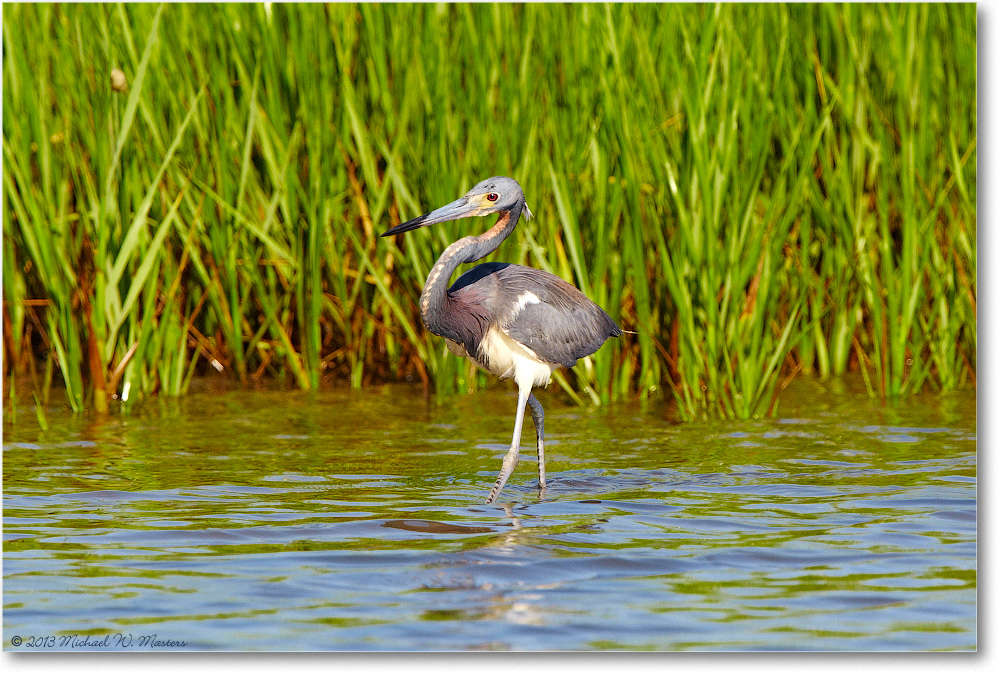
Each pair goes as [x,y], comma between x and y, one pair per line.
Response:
[754,191]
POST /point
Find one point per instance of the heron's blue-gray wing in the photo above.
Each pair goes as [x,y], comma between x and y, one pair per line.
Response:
[552,318]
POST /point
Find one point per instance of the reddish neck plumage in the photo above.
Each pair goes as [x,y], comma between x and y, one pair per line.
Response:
[434,297]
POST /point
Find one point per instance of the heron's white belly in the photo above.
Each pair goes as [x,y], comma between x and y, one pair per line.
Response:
[508,358]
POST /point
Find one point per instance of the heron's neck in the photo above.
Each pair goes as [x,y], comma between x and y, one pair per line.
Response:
[465,250]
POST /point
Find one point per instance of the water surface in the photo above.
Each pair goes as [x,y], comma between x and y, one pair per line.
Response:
[353,521]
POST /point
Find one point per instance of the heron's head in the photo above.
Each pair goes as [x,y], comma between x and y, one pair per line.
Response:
[492,195]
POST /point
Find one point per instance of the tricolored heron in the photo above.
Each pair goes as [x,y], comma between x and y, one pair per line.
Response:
[512,321]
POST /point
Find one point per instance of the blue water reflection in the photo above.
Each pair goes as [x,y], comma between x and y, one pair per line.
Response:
[278,521]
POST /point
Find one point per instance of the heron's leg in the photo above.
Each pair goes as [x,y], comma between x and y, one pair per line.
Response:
[538,415]
[510,459]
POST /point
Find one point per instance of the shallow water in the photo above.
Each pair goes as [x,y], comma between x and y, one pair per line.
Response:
[347,520]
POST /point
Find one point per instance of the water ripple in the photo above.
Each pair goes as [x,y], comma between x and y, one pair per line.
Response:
[847,530]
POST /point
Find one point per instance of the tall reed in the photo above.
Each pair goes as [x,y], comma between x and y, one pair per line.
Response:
[753,191]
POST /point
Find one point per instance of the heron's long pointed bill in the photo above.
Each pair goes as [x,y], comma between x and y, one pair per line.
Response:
[460,208]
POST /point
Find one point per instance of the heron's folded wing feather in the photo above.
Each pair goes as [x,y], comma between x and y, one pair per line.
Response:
[562,326]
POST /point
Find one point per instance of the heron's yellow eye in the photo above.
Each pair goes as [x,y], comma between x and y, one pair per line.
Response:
[493,196]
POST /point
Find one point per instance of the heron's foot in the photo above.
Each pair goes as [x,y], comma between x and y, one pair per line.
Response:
[509,464]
